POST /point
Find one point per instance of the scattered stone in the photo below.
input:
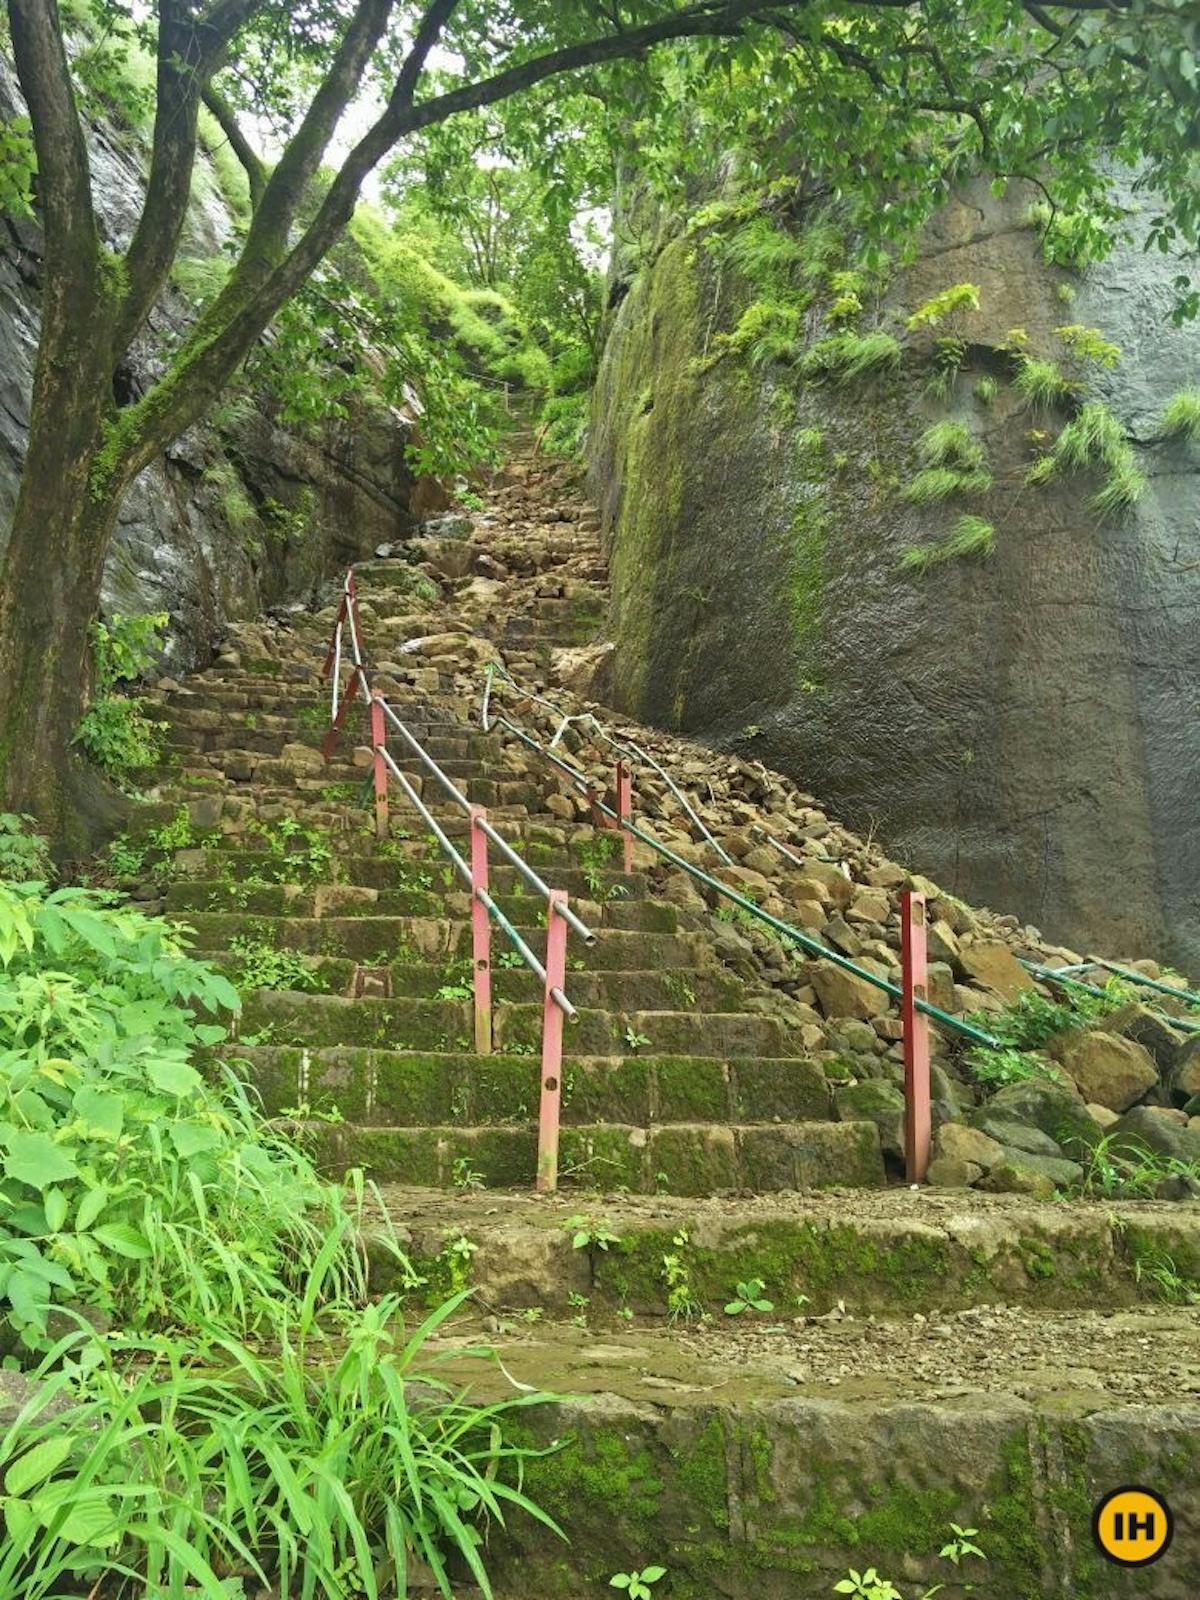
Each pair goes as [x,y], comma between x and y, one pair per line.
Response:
[1021,1173]
[957,1142]
[844,994]
[948,1172]
[1104,1067]
[993,965]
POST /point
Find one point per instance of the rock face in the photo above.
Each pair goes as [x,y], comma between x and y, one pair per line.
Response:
[1019,727]
[238,514]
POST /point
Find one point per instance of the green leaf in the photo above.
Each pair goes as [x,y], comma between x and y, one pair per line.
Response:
[91,1521]
[56,1206]
[34,1158]
[101,1112]
[174,1077]
[36,1465]
[194,1138]
[124,1239]
[90,1207]
[653,1574]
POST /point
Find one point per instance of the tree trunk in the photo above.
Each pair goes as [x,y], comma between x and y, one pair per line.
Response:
[49,593]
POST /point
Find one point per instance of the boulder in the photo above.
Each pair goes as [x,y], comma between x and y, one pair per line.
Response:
[993,966]
[1141,1131]
[1147,1028]
[1185,1069]
[879,1102]
[844,994]
[1013,1134]
[1104,1067]
[301,759]
[955,1141]
[945,1172]
[1021,1173]
[1056,1109]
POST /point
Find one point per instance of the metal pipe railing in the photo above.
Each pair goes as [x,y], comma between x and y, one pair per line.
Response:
[803,939]
[621,746]
[1060,976]
[551,973]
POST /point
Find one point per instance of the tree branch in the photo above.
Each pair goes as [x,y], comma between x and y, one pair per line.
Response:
[432,24]
[286,187]
[180,73]
[223,19]
[252,163]
[64,185]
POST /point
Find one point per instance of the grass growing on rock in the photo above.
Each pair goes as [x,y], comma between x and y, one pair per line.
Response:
[1041,383]
[935,484]
[1181,415]
[847,356]
[1095,440]
[972,536]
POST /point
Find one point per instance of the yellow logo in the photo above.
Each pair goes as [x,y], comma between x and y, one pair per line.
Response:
[1133,1526]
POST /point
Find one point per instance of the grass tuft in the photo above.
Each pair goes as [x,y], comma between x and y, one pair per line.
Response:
[1181,415]
[1095,440]
[972,536]
[935,484]
[950,444]
[1041,383]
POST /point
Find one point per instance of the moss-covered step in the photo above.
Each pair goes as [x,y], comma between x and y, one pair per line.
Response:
[418,1024]
[886,1253]
[680,1158]
[709,990]
[760,1467]
[378,941]
[364,1085]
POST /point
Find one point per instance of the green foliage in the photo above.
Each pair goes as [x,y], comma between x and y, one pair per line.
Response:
[24,853]
[637,1584]
[267,966]
[1072,239]
[320,1465]
[1041,383]
[749,1297]
[767,331]
[18,167]
[847,356]
[1116,1169]
[958,297]
[934,484]
[986,390]
[1028,1024]
[133,1184]
[1088,344]
[950,444]
[1181,415]
[1095,440]
[762,252]
[972,536]
[565,419]
[114,732]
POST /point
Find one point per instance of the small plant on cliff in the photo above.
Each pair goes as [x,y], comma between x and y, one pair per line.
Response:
[958,297]
[1181,415]
[1095,439]
[115,732]
[972,536]
[1088,344]
[637,1583]
[847,356]
[749,1297]
[1041,383]
[950,444]
[934,484]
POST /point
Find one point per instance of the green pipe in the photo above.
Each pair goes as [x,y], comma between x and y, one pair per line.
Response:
[1056,975]
[1148,983]
[804,940]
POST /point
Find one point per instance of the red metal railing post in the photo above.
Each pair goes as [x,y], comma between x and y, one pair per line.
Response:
[378,739]
[329,658]
[914,983]
[625,810]
[552,1045]
[481,934]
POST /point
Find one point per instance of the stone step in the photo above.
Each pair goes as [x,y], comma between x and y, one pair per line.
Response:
[680,1158]
[897,1252]
[377,1086]
[759,1465]
[418,1024]
[605,990]
[301,897]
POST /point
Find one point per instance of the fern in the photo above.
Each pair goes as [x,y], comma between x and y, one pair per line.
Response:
[846,356]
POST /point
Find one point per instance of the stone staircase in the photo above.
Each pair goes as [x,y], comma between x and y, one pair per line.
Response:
[927,1359]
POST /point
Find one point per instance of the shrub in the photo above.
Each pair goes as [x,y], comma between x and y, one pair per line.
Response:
[134,1185]
[24,854]
[1089,344]
[114,732]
